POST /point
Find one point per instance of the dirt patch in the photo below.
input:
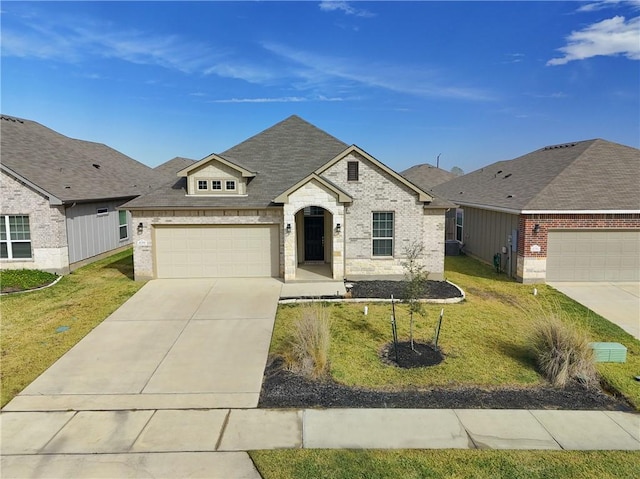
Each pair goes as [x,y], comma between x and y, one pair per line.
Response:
[284,389]
[422,355]
[384,290]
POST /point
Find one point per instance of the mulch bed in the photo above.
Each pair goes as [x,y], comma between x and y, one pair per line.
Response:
[384,290]
[283,389]
[422,355]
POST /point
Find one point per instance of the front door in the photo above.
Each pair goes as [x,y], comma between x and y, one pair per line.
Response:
[314,238]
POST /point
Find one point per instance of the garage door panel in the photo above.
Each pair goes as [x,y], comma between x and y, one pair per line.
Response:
[217,251]
[597,255]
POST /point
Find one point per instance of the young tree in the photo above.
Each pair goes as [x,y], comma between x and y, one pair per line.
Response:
[416,277]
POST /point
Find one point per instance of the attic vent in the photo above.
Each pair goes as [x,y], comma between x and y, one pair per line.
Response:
[507,175]
[509,196]
[96,166]
[555,147]
[499,171]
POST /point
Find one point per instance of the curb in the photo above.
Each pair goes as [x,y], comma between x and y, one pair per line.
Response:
[339,299]
[34,289]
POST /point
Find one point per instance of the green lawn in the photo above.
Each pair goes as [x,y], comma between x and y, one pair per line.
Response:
[449,464]
[485,338]
[39,327]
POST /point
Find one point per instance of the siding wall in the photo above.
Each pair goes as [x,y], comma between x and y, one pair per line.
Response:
[485,233]
[91,235]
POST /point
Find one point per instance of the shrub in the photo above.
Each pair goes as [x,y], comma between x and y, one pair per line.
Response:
[310,342]
[562,352]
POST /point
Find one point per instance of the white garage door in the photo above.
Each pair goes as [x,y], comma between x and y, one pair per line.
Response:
[593,255]
[216,251]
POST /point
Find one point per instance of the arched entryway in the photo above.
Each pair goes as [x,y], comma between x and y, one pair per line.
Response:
[314,243]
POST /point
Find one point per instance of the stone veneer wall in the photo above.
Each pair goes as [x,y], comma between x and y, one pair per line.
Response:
[313,194]
[143,256]
[376,190]
[46,223]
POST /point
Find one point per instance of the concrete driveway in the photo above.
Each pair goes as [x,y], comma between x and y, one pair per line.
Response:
[188,343]
[617,302]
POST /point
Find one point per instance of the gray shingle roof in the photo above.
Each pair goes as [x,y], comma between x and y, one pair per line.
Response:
[427,176]
[586,175]
[69,169]
[169,168]
[280,155]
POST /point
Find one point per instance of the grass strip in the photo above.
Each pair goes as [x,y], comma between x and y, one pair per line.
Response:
[38,327]
[449,464]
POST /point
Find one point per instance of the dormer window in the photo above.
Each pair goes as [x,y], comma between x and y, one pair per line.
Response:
[230,185]
[202,185]
[216,185]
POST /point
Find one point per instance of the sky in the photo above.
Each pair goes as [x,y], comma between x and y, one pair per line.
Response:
[469,83]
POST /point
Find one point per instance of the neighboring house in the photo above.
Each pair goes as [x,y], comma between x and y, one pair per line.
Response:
[60,197]
[427,176]
[289,196]
[562,213]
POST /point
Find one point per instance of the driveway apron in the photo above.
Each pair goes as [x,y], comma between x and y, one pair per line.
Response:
[618,302]
[192,343]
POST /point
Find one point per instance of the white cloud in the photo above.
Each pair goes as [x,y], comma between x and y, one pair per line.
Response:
[285,99]
[75,39]
[407,79]
[331,6]
[604,4]
[611,37]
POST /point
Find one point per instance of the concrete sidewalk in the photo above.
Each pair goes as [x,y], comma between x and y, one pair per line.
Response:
[210,442]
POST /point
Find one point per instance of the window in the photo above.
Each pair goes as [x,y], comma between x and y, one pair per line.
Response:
[102,211]
[382,233]
[313,211]
[202,185]
[352,171]
[230,185]
[15,237]
[216,185]
[459,220]
[123,225]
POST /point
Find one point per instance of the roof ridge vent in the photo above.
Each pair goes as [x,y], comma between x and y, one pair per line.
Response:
[555,147]
[10,118]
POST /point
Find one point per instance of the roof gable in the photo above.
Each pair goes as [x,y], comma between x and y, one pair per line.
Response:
[343,197]
[213,158]
[592,175]
[422,195]
[69,169]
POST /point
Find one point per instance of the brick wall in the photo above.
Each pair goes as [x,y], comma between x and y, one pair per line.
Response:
[46,223]
[532,266]
[376,190]
[528,238]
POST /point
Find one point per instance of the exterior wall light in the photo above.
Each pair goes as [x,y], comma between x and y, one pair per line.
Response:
[288,228]
[536,228]
[140,228]
[338,227]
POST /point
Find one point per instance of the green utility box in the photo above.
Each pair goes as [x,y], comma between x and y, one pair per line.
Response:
[609,352]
